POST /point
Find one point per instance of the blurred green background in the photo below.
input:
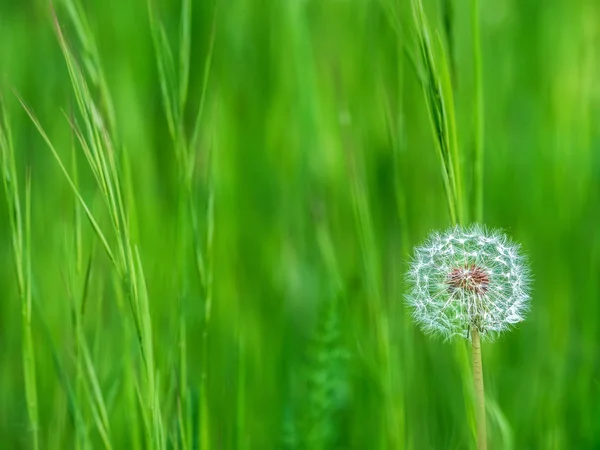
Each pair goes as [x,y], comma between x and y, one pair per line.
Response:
[316,149]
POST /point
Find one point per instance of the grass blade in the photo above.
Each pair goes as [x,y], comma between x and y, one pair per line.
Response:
[21,240]
[478,112]
[88,213]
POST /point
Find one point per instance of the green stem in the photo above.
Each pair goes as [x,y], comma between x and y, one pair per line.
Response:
[479,390]
[478,112]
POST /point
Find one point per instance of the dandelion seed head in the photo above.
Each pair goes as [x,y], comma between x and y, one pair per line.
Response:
[468,278]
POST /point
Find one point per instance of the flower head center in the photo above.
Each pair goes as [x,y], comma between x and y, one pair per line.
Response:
[470,279]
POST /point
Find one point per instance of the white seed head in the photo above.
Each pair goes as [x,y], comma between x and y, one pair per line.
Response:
[468,278]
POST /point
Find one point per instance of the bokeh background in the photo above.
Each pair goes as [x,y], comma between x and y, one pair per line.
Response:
[323,175]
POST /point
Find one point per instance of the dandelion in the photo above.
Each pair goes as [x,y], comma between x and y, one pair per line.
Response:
[472,283]
[466,279]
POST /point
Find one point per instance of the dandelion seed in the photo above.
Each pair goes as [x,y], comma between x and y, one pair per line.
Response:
[481,281]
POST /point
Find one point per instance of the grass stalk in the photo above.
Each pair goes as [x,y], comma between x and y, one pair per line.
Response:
[437,84]
[174,84]
[204,415]
[478,112]
[479,390]
[21,244]
[241,403]
[437,87]
[98,147]
[28,346]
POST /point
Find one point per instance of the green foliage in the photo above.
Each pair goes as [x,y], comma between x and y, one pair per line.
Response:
[208,211]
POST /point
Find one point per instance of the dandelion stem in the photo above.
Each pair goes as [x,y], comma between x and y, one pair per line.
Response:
[479,391]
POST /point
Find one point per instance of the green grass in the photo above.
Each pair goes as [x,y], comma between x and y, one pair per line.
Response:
[209,208]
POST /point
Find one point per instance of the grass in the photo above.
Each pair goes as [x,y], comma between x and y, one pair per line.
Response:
[20,231]
[438,89]
[209,209]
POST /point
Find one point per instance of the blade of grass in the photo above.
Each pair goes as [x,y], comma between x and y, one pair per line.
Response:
[88,213]
[205,441]
[241,402]
[96,398]
[21,243]
[440,104]
[98,148]
[72,399]
[166,71]
[185,37]
[29,351]
[451,136]
[396,23]
[478,111]
[434,101]
[148,356]
[92,59]
[194,140]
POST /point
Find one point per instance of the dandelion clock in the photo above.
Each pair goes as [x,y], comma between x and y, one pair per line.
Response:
[465,279]
[470,283]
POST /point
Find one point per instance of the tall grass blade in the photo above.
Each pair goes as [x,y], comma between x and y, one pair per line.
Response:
[88,213]
[478,112]
[185,38]
[21,243]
